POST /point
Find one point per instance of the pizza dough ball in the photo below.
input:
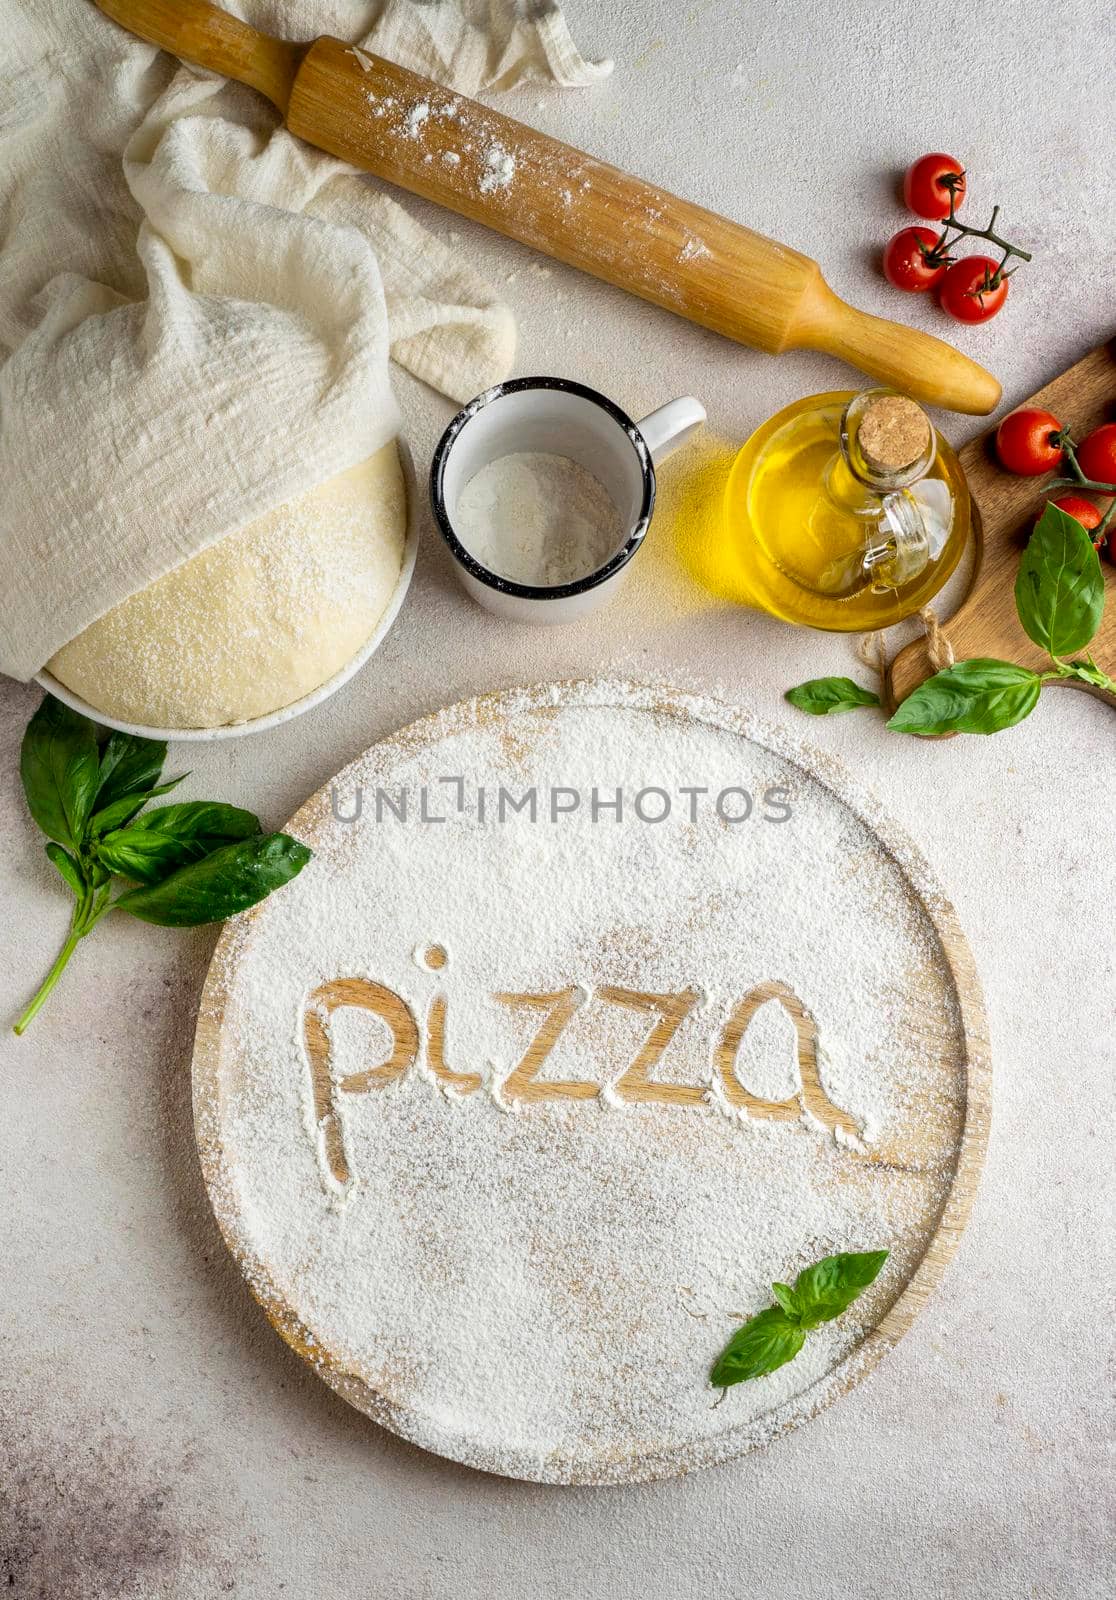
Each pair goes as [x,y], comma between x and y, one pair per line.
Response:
[257,620]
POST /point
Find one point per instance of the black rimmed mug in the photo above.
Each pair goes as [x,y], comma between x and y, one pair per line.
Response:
[557,417]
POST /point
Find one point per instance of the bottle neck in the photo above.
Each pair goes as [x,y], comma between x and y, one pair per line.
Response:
[886,447]
[886,441]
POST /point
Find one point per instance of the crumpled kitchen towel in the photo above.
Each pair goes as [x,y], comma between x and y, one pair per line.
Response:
[197,310]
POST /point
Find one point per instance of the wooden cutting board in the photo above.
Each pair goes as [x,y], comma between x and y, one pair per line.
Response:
[509,1123]
[1004,509]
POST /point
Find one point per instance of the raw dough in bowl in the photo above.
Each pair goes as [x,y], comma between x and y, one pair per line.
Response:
[258,620]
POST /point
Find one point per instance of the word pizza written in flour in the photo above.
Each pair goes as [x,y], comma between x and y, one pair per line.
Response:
[552,1012]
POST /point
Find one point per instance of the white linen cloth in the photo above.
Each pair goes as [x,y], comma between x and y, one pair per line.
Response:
[196,309]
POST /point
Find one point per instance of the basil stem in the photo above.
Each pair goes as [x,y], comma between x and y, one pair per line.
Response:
[88,910]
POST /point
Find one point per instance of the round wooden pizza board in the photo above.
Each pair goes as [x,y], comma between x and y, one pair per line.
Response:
[490,1146]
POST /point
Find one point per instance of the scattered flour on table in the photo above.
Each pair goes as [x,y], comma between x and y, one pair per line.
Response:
[538,519]
[539,1288]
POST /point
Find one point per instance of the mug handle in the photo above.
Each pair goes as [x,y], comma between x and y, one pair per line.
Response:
[671,425]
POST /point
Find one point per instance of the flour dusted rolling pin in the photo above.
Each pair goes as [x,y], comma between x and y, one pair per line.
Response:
[447,148]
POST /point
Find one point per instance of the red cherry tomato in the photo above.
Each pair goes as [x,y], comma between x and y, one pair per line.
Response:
[909,261]
[1028,442]
[970,290]
[927,183]
[1082,510]
[1096,454]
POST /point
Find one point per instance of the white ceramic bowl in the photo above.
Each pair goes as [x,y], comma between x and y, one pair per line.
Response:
[235,730]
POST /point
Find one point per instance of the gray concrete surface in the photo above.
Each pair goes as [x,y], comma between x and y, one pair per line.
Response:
[156,1438]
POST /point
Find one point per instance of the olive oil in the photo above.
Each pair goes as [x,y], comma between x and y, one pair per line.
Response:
[821,532]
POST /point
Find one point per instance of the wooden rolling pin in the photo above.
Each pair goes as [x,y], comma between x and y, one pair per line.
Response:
[453,150]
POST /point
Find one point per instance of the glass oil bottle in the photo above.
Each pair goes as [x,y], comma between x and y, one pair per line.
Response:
[845,511]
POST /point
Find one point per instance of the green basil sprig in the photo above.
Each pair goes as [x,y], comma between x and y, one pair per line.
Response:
[190,863]
[775,1336]
[1059,596]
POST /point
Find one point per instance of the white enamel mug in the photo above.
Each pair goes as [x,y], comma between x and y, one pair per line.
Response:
[559,417]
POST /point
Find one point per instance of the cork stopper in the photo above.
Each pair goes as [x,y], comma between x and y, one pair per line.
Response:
[893,434]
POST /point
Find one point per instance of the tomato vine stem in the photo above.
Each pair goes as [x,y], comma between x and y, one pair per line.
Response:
[1078,480]
[940,252]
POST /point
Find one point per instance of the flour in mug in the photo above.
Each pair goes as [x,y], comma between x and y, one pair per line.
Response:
[538,519]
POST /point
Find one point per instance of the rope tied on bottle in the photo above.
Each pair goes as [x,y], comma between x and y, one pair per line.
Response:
[938,647]
[871,650]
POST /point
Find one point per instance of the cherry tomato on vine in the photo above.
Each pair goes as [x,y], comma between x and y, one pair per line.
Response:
[927,183]
[1029,442]
[973,290]
[1083,511]
[1096,454]
[909,261]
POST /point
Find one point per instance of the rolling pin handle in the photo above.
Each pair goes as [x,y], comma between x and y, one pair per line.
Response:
[671,425]
[207,36]
[913,362]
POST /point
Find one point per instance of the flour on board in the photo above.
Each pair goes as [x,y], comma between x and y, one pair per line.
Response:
[539,1287]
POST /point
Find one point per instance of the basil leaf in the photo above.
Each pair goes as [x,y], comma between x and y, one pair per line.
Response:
[762,1344]
[129,765]
[67,866]
[784,1294]
[978,696]
[822,696]
[1059,589]
[830,1286]
[123,810]
[171,836]
[221,884]
[58,765]
[201,819]
[144,858]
